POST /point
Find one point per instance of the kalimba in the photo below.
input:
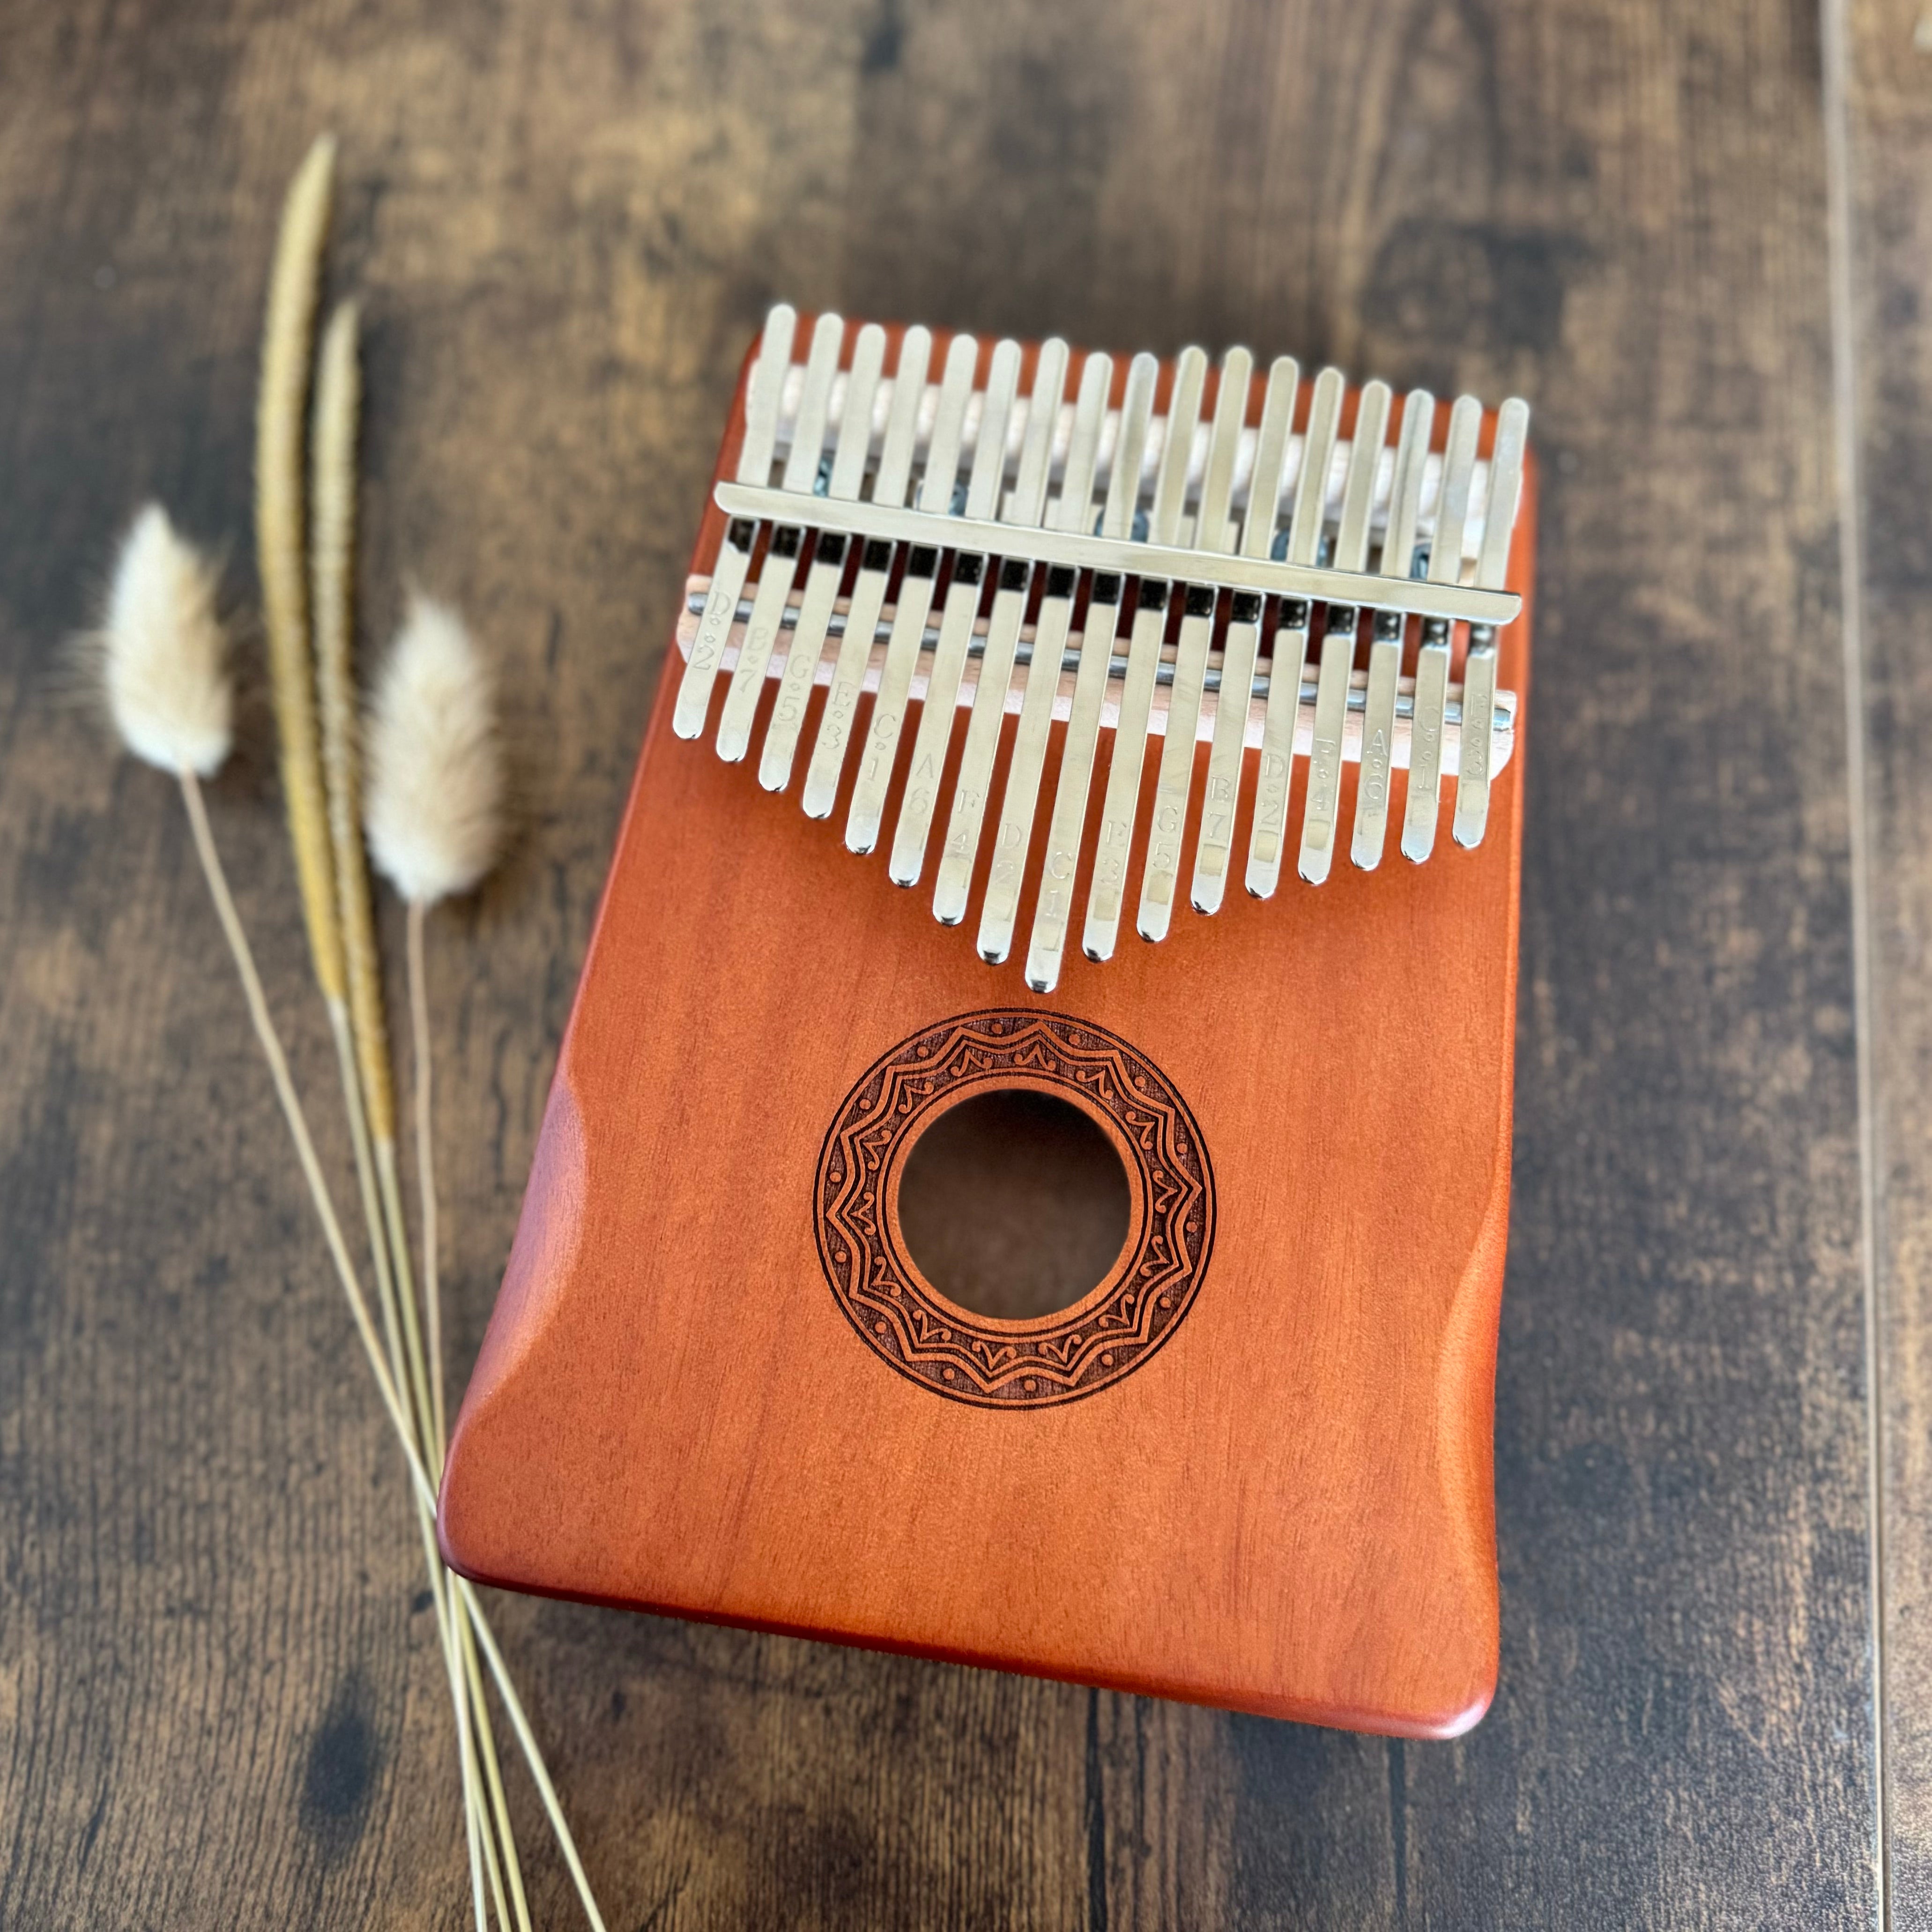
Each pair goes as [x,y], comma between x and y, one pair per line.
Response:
[1061,644]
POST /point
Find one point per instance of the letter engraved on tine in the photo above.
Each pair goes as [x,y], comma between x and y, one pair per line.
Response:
[915,603]
[763,395]
[1432,663]
[801,473]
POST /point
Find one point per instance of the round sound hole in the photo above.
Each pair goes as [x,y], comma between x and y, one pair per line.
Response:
[1014,1204]
[923,1225]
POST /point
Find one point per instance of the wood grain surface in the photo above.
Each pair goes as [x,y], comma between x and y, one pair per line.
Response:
[219,1693]
[1887,97]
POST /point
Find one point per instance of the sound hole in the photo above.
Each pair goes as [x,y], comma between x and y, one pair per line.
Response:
[1014,1204]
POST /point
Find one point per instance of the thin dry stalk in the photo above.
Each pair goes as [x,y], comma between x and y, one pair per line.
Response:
[419,1058]
[532,1756]
[435,823]
[366,1089]
[462,1596]
[298,1125]
[338,402]
[493,1779]
[338,408]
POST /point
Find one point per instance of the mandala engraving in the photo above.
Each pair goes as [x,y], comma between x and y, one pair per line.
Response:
[1100,1339]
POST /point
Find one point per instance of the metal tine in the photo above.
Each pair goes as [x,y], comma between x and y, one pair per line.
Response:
[763,394]
[1060,873]
[915,603]
[1013,836]
[1479,665]
[1123,769]
[1322,806]
[1432,661]
[955,625]
[1221,800]
[828,564]
[1372,782]
[1160,880]
[868,589]
[1025,511]
[768,607]
[1290,652]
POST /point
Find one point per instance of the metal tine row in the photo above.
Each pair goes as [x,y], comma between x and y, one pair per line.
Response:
[1013,837]
[1121,800]
[1241,646]
[1161,876]
[1324,801]
[985,499]
[1290,653]
[828,564]
[920,800]
[1025,509]
[775,583]
[1372,781]
[915,602]
[764,393]
[1053,910]
[868,590]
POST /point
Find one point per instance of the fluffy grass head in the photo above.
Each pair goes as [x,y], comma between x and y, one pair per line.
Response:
[435,769]
[161,653]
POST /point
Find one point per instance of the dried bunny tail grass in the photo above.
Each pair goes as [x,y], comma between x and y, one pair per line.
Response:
[280,407]
[338,401]
[161,652]
[436,766]
[460,1597]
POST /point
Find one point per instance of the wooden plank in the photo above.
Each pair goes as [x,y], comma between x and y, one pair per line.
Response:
[1887,67]
[565,227]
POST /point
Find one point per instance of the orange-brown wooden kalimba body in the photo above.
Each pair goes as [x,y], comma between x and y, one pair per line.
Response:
[1252,1468]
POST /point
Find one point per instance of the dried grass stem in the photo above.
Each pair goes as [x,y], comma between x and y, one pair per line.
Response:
[279,411]
[461,1594]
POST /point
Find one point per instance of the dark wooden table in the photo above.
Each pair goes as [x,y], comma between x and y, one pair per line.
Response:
[1698,237]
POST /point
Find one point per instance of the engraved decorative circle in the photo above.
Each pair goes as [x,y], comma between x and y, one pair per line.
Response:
[1101,1338]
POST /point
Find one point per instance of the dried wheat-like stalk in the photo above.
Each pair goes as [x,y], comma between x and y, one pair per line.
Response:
[337,396]
[281,406]
[436,823]
[366,1086]
[160,656]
